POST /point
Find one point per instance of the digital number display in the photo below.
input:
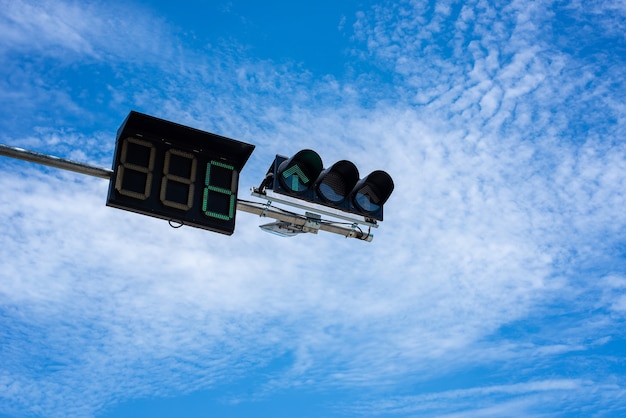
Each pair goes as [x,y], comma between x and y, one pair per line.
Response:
[136,171]
[188,177]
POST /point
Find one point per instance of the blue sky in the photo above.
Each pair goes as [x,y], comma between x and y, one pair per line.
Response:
[496,286]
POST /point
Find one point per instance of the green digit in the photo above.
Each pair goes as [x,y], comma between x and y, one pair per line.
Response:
[220,190]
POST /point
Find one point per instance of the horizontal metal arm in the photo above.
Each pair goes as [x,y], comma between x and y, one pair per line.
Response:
[56,162]
[261,209]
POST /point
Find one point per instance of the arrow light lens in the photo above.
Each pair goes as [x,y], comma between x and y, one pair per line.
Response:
[295,179]
[367,199]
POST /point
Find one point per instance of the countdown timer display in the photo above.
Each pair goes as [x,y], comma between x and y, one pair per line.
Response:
[174,172]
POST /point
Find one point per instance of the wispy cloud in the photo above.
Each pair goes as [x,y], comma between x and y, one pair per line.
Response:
[516,400]
[83,30]
[509,198]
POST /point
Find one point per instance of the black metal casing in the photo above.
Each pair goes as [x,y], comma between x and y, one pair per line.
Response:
[174,172]
[377,182]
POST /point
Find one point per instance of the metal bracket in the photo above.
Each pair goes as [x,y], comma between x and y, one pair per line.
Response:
[291,224]
[266,209]
[312,223]
[313,207]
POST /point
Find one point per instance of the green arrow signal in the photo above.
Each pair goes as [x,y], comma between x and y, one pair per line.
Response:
[298,177]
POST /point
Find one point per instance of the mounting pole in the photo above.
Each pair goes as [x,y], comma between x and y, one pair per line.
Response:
[56,162]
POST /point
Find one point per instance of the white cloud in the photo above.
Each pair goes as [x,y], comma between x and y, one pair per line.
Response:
[515,400]
[82,29]
[492,192]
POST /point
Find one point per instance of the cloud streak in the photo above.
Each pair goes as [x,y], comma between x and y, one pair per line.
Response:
[509,201]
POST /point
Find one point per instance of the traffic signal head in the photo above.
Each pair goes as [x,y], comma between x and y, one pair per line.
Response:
[303,176]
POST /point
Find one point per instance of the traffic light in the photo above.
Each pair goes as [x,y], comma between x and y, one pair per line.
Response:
[177,173]
[339,186]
